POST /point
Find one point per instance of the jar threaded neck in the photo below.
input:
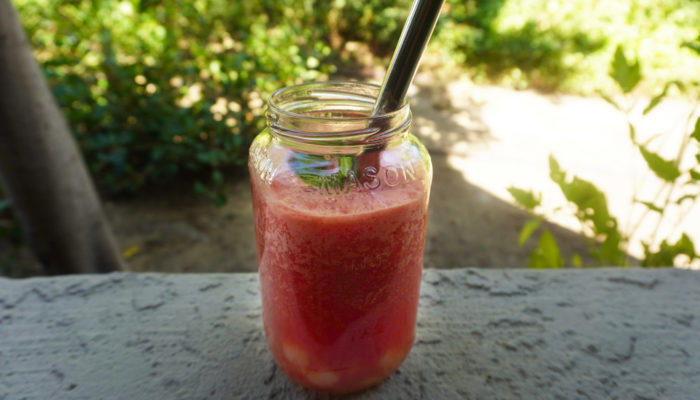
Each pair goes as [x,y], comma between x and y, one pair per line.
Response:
[334,114]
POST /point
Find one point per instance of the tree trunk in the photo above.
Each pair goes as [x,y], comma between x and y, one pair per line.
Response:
[41,168]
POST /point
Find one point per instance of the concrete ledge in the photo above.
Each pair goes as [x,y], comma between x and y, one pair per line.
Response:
[569,334]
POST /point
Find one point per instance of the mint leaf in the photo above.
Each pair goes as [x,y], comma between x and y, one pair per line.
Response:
[329,174]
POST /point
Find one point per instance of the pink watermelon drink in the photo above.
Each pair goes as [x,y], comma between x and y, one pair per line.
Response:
[340,255]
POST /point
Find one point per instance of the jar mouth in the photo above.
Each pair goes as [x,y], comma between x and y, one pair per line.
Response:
[292,101]
[322,114]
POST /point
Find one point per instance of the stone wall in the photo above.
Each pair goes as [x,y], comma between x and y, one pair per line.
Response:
[482,334]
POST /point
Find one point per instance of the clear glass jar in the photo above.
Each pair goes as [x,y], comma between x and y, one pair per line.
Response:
[340,200]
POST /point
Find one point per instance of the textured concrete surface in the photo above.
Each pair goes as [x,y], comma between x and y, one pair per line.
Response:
[563,334]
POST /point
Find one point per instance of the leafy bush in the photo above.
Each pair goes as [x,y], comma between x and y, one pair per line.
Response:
[566,44]
[155,88]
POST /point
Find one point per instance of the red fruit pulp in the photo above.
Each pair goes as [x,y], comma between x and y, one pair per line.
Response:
[340,279]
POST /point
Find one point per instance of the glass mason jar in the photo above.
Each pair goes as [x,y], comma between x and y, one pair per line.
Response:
[340,200]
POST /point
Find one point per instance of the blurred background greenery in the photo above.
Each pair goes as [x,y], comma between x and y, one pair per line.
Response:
[155,88]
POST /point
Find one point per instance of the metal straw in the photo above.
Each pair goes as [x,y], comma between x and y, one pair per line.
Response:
[404,63]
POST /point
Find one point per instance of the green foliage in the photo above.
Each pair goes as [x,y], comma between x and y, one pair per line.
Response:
[375,22]
[664,169]
[152,89]
[528,229]
[696,131]
[217,192]
[625,72]
[693,45]
[525,198]
[667,253]
[567,44]
[657,99]
[590,202]
[547,254]
[607,242]
[651,206]
[592,211]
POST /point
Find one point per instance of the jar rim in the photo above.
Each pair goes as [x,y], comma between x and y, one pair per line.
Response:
[277,108]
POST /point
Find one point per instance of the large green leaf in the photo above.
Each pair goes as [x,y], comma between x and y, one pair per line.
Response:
[627,73]
[525,198]
[591,203]
[664,169]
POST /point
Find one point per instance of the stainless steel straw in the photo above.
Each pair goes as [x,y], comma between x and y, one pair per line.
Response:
[404,63]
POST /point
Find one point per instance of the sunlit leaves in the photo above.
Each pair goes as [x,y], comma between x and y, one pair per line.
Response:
[659,97]
[685,197]
[664,169]
[547,254]
[528,229]
[667,252]
[525,198]
[592,210]
[591,203]
[627,73]
[696,131]
[651,206]
[694,45]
